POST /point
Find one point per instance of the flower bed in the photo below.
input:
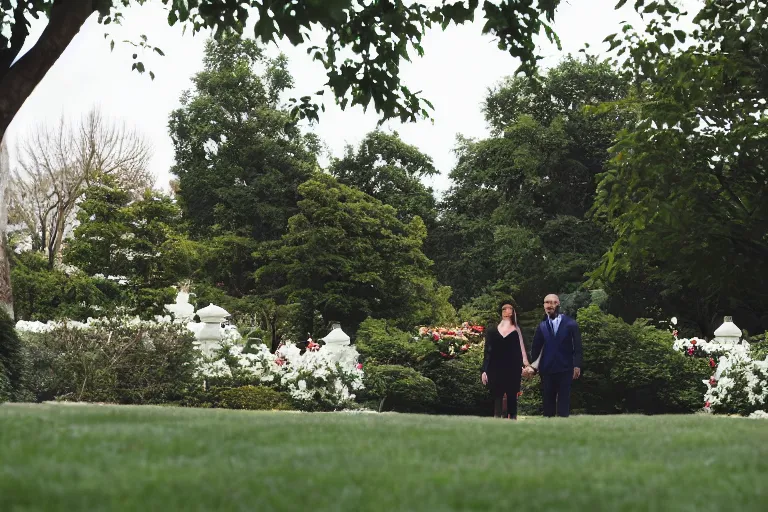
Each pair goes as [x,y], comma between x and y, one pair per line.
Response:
[320,378]
[738,384]
[451,341]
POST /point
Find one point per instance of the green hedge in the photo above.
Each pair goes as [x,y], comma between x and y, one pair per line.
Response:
[254,398]
[633,368]
[398,388]
[112,362]
[380,343]
[459,389]
[529,403]
[12,362]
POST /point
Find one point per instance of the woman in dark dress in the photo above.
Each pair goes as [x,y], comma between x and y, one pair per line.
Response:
[504,359]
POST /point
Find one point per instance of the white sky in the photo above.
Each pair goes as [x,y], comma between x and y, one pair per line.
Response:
[458,67]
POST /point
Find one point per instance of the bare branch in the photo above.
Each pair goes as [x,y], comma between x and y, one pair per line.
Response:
[56,165]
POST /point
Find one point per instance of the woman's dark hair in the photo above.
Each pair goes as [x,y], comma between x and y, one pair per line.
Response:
[507,301]
[514,309]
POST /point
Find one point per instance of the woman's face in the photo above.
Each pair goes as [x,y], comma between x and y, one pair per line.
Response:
[507,311]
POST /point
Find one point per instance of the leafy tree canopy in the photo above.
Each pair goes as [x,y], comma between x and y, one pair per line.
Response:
[686,188]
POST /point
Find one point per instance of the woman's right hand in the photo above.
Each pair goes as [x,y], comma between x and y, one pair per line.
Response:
[484,378]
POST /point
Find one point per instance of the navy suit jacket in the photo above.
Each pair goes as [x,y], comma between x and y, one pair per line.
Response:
[562,352]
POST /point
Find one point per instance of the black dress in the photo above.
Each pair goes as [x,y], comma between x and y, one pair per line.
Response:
[503,363]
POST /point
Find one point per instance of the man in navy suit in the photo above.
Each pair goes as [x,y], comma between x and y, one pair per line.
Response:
[559,337]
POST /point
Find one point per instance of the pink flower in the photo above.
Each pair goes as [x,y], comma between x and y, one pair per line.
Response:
[359,366]
[465,347]
[706,404]
[279,362]
[690,351]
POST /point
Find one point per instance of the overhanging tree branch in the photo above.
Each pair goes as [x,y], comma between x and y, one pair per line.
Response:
[20,79]
[19,35]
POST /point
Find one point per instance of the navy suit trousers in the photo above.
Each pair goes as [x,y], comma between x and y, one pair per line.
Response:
[556,393]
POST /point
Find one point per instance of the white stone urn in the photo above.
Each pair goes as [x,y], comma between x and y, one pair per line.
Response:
[209,337]
[728,332]
[182,310]
[335,340]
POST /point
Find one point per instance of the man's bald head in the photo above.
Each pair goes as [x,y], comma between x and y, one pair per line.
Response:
[551,305]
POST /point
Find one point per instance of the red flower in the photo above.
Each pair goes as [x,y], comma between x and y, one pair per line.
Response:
[706,404]
[359,366]
[712,363]
[451,333]
[312,346]
[443,354]
[464,348]
[674,333]
[712,381]
[693,341]
[436,337]
[519,394]
[690,351]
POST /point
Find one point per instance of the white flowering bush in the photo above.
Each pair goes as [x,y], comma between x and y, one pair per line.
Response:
[318,379]
[738,384]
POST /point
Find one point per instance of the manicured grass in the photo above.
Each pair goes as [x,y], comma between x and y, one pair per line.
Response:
[89,458]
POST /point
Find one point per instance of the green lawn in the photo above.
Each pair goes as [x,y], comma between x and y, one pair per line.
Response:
[88,458]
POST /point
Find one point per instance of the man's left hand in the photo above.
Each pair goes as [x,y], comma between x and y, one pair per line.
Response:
[576,373]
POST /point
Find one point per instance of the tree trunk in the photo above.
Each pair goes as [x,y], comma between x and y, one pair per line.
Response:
[16,84]
[6,293]
[18,81]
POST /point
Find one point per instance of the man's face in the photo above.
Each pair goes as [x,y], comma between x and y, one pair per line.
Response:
[550,304]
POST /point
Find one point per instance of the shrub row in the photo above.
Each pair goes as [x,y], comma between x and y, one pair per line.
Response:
[628,368]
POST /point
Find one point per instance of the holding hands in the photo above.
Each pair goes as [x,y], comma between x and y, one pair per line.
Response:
[528,371]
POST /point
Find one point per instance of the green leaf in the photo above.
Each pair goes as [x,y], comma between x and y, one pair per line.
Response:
[668,40]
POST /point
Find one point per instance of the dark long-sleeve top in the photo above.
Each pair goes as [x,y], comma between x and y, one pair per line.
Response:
[502,354]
